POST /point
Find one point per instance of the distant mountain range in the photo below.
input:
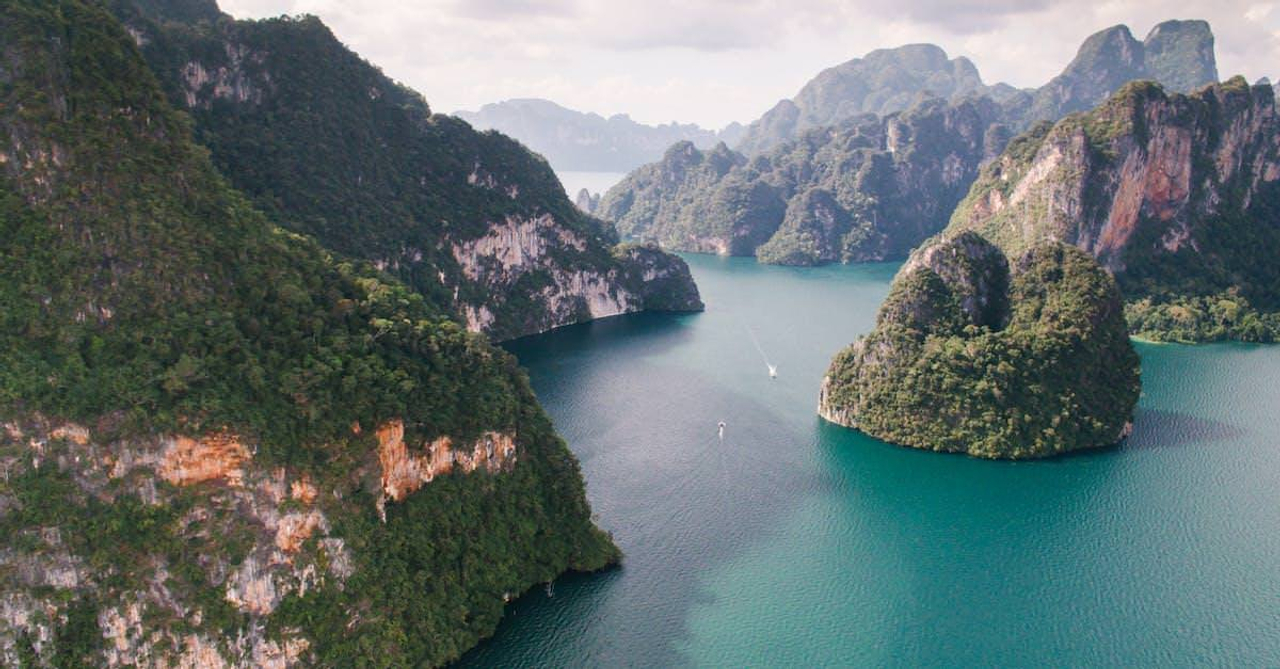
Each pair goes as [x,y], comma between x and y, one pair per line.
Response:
[870,158]
[578,141]
[1179,54]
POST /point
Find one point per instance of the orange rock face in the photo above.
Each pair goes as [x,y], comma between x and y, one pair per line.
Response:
[73,433]
[295,529]
[303,490]
[403,473]
[214,457]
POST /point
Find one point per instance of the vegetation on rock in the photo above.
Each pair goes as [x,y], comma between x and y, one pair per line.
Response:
[970,355]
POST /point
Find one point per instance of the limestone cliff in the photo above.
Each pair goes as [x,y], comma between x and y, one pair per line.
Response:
[1177,195]
[419,195]
[973,356]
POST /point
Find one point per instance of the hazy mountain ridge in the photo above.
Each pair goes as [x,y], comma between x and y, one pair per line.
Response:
[587,142]
[873,186]
[1177,53]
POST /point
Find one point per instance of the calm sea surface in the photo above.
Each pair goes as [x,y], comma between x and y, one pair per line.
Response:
[796,543]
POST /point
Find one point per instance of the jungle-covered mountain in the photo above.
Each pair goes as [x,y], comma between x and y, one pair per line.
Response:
[328,146]
[974,353]
[221,443]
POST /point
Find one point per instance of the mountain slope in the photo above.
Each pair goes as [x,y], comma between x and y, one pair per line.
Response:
[1177,195]
[473,220]
[220,444]
[869,188]
[572,140]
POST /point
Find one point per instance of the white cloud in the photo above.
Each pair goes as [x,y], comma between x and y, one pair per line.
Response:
[715,61]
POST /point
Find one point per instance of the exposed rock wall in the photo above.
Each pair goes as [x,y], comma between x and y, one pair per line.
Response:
[1161,188]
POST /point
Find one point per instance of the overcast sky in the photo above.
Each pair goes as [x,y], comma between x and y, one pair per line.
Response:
[716,61]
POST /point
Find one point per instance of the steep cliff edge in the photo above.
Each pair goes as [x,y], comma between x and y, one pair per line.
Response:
[472,220]
[1177,195]
[870,188]
[221,445]
[973,356]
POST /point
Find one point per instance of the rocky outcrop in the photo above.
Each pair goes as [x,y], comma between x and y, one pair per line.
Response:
[517,255]
[229,496]
[870,188]
[422,196]
[1174,194]
[403,473]
[973,356]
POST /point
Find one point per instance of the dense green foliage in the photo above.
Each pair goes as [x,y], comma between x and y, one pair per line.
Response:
[1192,241]
[869,188]
[1188,320]
[140,294]
[327,145]
[960,362]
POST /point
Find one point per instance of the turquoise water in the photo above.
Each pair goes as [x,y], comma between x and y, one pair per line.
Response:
[797,543]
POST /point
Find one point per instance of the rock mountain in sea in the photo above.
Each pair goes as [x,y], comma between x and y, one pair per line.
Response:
[472,220]
[576,141]
[868,188]
[222,445]
[1179,54]
[972,355]
[1177,195]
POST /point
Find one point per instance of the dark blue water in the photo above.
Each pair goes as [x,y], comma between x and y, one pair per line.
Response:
[797,543]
